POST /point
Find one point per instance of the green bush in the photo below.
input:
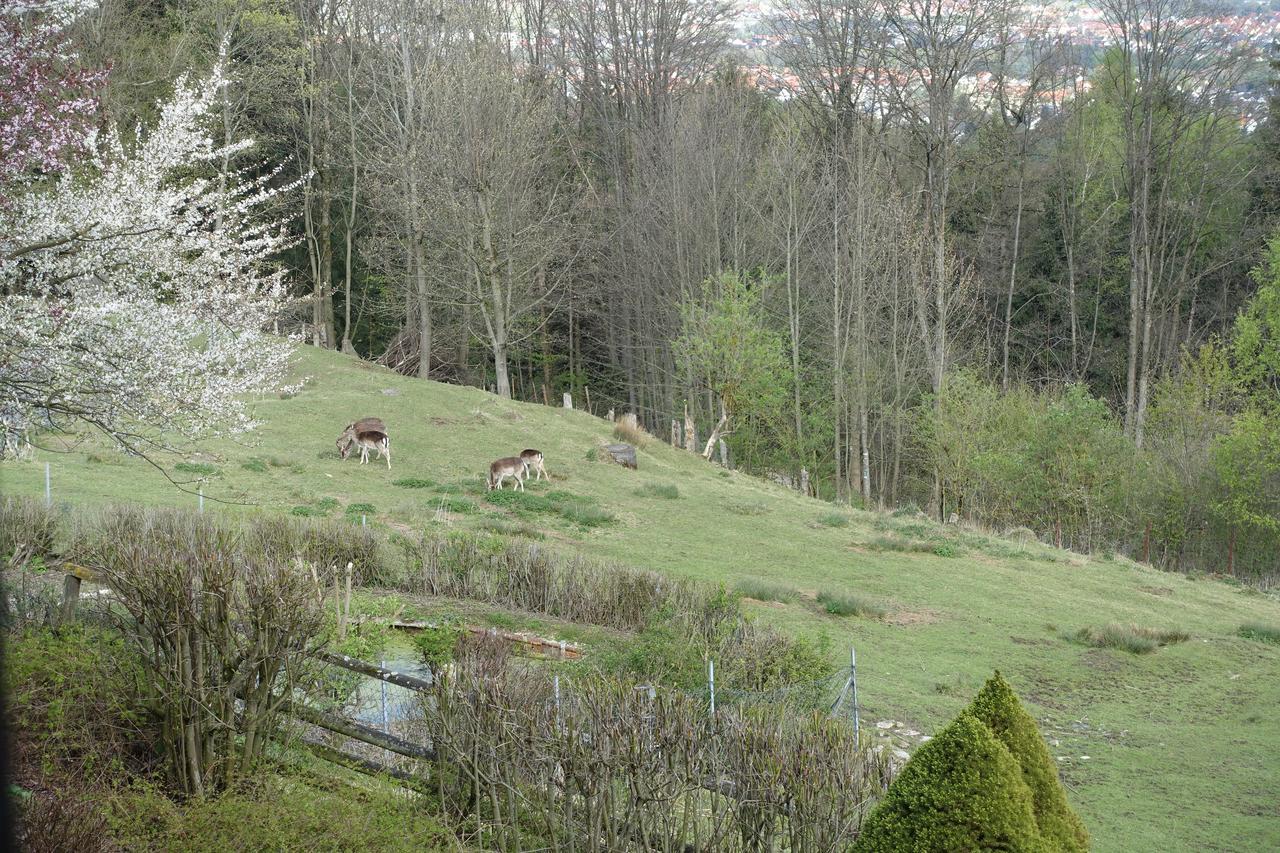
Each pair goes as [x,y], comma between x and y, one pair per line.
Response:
[361,509]
[305,511]
[847,604]
[327,505]
[997,706]
[435,646]
[963,790]
[946,549]
[667,491]
[413,483]
[1130,638]
[75,695]
[762,590]
[1261,631]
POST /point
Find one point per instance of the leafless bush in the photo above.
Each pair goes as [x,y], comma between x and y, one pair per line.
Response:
[51,822]
[27,530]
[529,577]
[610,766]
[224,617]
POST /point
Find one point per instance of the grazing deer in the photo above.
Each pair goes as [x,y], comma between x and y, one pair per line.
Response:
[509,466]
[533,459]
[367,434]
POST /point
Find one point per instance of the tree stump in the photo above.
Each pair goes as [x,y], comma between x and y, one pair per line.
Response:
[623,454]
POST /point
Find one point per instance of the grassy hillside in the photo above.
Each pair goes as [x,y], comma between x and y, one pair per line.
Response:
[1176,750]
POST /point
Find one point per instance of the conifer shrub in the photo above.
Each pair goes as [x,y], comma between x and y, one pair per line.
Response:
[963,790]
[997,706]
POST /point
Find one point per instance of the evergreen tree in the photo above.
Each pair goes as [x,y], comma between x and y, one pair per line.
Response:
[997,706]
[963,790]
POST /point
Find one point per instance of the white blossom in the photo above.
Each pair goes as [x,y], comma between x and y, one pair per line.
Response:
[138,290]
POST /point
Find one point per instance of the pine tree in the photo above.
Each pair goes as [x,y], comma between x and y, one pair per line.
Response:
[997,706]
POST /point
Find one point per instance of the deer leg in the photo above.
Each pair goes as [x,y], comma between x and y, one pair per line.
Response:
[386,448]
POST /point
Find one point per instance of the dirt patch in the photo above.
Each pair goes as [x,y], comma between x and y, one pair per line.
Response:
[1102,661]
[1156,590]
[912,617]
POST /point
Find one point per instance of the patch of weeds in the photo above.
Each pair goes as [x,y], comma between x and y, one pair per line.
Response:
[305,511]
[847,604]
[725,474]
[361,509]
[277,462]
[571,507]
[743,508]
[633,434]
[1261,631]
[907,510]
[1129,638]
[899,543]
[459,505]
[330,453]
[834,519]
[945,549]
[762,590]
[327,504]
[592,454]
[503,527]
[413,483]
[667,491]
[255,465]
[203,469]
[954,686]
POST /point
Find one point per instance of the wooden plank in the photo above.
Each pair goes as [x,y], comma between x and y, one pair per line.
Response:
[364,765]
[364,668]
[357,731]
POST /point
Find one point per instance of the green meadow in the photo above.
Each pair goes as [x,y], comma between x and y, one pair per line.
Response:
[1158,703]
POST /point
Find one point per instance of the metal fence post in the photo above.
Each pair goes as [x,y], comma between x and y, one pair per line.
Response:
[48,487]
[853,684]
[200,498]
[386,724]
[711,680]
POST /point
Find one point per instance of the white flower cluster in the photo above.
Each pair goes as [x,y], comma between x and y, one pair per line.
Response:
[138,292]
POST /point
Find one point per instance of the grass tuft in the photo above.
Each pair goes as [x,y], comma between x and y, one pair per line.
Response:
[1261,631]
[1130,638]
[255,465]
[203,469]
[626,429]
[834,519]
[762,590]
[847,604]
[413,483]
[361,509]
[575,508]
[666,491]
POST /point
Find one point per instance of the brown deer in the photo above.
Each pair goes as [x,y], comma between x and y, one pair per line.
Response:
[533,459]
[367,434]
[508,466]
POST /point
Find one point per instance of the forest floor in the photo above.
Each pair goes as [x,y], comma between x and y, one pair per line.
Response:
[1174,750]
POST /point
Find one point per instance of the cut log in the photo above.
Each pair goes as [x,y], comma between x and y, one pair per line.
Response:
[623,454]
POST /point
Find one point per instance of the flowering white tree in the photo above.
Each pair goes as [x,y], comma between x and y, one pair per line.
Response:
[138,293]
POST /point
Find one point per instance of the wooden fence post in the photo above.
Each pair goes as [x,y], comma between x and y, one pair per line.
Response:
[70,594]
[568,400]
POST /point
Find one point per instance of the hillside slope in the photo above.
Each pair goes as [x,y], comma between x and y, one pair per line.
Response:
[1175,750]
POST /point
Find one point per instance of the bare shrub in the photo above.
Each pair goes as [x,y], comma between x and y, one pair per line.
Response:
[531,577]
[27,530]
[225,617]
[54,822]
[613,765]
